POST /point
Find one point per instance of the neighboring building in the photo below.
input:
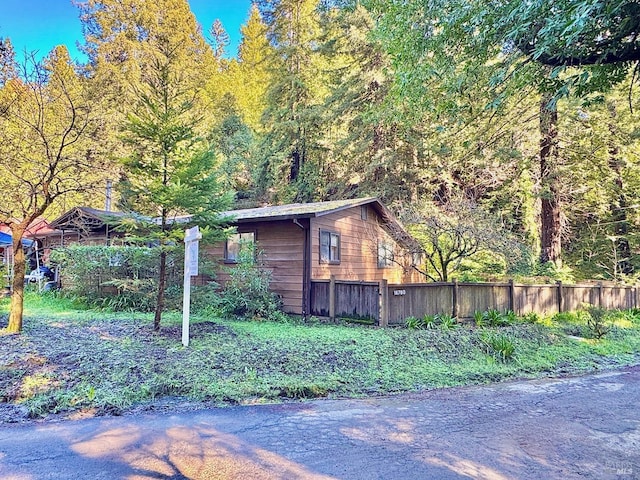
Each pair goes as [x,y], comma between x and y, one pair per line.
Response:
[85,226]
[350,239]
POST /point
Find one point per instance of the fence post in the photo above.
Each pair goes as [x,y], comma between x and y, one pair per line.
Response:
[512,296]
[383,321]
[454,299]
[332,297]
[560,299]
[600,294]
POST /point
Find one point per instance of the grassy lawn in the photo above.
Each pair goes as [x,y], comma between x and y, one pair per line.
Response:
[73,360]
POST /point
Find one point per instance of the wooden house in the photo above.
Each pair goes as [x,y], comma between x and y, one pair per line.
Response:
[84,226]
[350,239]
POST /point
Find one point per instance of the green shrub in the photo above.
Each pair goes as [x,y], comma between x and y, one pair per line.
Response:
[430,321]
[598,324]
[480,318]
[446,321]
[494,318]
[531,317]
[247,292]
[500,346]
[439,320]
[125,278]
[566,317]
[413,323]
[116,277]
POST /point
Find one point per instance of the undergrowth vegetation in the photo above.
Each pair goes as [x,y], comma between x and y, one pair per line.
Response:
[69,360]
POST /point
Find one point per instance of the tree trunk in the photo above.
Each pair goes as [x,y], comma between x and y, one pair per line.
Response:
[17,295]
[619,203]
[296,163]
[161,288]
[551,224]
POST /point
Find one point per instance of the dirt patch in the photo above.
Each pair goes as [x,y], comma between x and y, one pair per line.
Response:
[197,330]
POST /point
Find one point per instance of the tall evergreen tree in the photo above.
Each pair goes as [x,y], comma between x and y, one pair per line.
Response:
[603,174]
[254,76]
[160,61]
[294,113]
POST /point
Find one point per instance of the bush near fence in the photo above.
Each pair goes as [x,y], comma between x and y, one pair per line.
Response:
[392,304]
[119,277]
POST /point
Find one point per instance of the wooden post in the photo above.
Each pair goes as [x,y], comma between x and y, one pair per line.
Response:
[332,297]
[560,299]
[454,299]
[384,304]
[600,294]
[512,296]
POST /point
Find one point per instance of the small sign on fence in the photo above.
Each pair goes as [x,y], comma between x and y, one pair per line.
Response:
[398,293]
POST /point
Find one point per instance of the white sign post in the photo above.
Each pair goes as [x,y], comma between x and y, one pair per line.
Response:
[191,238]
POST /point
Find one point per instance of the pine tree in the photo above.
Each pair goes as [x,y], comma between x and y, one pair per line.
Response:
[254,75]
[159,62]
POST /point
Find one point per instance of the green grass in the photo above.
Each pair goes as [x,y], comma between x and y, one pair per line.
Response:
[68,359]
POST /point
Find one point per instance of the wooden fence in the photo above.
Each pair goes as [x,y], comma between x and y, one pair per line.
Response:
[345,299]
[391,304]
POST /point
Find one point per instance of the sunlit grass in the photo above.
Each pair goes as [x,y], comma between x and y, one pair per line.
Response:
[70,359]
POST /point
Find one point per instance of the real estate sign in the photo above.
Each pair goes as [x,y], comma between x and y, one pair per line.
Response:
[192,238]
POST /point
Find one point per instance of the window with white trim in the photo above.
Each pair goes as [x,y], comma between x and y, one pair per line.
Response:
[329,247]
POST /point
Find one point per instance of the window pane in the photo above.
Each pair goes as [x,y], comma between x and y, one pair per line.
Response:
[324,246]
[385,255]
[233,247]
[329,247]
[237,242]
[335,248]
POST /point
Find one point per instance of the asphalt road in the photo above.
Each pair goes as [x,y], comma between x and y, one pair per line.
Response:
[571,428]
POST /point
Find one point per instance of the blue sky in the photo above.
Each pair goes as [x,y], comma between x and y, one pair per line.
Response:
[42,24]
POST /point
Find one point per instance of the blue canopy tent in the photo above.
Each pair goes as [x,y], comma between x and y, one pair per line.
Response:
[6,241]
[7,257]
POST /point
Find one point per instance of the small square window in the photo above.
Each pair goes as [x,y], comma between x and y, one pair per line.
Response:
[329,247]
[236,243]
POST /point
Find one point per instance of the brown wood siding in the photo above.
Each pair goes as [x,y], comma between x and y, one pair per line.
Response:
[282,245]
[358,248]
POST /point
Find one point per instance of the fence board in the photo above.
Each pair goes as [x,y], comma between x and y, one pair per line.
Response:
[358,300]
[618,297]
[417,300]
[575,296]
[541,299]
[479,297]
[320,298]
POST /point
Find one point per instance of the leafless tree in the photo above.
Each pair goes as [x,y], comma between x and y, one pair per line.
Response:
[49,123]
